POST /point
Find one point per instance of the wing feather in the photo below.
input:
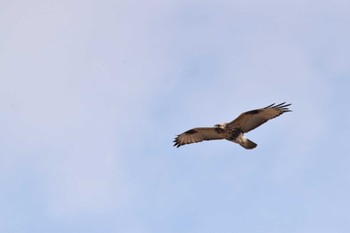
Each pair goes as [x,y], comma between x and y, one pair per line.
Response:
[250,120]
[198,135]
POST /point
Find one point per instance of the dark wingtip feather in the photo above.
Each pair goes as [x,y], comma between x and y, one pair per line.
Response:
[176,142]
[270,105]
[282,106]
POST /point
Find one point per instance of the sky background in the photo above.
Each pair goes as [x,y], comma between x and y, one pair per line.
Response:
[92,94]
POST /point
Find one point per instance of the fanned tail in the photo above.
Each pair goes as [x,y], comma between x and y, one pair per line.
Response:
[246,143]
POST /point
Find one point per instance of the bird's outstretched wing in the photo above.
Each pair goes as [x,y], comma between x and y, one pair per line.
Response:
[198,135]
[250,120]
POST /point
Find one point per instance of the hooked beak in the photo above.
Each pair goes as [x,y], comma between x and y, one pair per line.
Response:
[221,126]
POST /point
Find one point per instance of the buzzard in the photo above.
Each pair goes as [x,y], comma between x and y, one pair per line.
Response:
[234,130]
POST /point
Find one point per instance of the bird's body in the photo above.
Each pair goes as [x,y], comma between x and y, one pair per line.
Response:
[234,130]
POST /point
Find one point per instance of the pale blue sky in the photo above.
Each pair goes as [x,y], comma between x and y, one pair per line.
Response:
[92,94]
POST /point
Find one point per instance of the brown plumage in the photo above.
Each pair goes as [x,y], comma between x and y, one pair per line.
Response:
[234,131]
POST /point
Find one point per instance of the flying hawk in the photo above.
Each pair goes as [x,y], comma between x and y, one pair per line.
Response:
[234,131]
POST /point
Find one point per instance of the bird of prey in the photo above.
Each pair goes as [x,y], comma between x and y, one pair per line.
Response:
[234,130]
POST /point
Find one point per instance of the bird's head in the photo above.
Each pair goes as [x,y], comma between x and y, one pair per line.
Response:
[221,126]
